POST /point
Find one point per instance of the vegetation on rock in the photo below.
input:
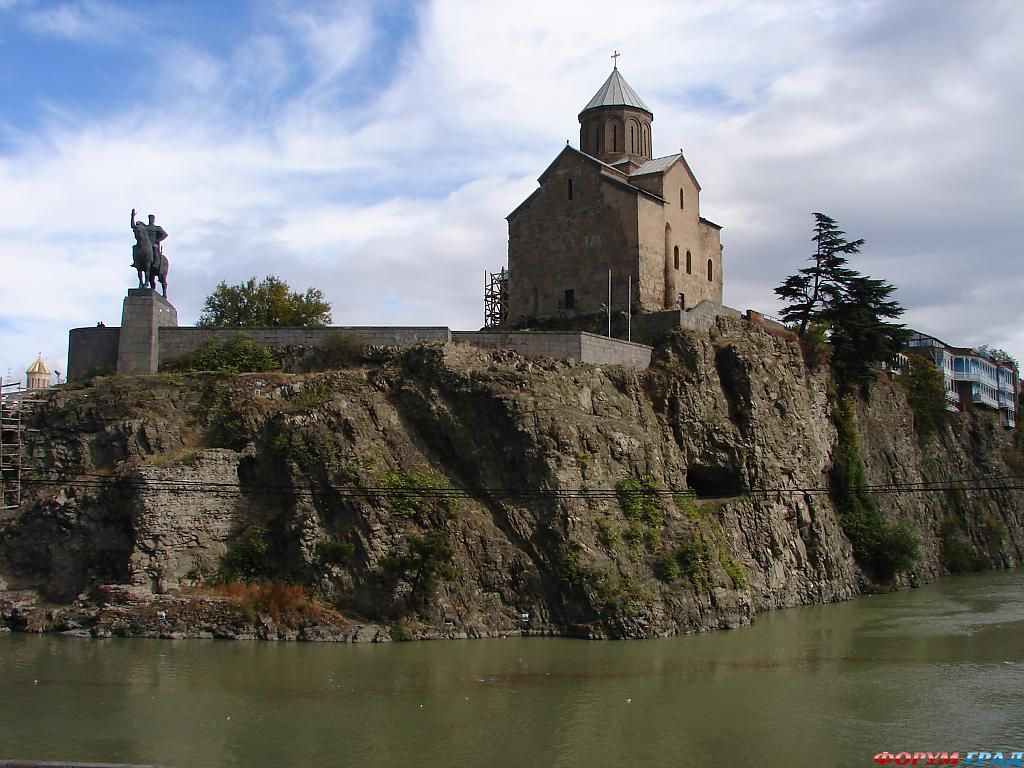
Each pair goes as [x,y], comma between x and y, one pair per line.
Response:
[926,393]
[237,355]
[885,548]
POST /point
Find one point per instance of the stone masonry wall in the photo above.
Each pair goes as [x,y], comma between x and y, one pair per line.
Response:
[585,347]
[92,352]
[175,342]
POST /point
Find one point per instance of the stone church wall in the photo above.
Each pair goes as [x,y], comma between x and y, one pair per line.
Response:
[557,244]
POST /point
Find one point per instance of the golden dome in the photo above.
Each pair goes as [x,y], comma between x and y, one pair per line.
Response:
[39,367]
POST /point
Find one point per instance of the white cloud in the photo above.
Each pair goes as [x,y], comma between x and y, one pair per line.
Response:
[897,119]
[84,20]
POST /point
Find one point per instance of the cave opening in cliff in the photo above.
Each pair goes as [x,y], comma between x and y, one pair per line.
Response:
[714,480]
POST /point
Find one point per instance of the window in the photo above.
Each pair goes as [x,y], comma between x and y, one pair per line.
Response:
[570,187]
[570,299]
[676,256]
[711,270]
[681,198]
[689,265]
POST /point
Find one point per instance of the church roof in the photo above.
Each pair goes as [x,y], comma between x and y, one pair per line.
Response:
[39,367]
[657,165]
[616,93]
[662,164]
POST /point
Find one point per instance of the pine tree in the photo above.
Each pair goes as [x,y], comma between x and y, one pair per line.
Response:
[813,289]
[853,308]
[860,334]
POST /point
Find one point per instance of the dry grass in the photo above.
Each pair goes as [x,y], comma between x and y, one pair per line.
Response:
[274,597]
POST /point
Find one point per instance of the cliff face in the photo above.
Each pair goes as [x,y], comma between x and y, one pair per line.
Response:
[339,481]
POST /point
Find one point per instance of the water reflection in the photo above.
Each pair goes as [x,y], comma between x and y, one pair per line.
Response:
[940,668]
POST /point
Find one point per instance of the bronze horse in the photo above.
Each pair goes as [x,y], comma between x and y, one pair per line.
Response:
[149,263]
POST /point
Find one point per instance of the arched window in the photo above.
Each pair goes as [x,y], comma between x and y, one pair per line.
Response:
[570,187]
[689,264]
[711,271]
[675,254]
[615,137]
[632,141]
[681,205]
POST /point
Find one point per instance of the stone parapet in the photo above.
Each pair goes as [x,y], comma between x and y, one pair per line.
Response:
[575,345]
[175,342]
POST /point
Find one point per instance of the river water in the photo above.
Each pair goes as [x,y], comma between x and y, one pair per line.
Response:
[935,669]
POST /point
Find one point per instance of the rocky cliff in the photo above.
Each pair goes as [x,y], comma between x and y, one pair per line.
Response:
[447,491]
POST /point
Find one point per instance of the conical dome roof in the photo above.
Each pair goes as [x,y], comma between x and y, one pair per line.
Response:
[616,92]
[39,367]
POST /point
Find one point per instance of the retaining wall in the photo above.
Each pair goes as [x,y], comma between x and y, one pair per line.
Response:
[577,345]
[175,342]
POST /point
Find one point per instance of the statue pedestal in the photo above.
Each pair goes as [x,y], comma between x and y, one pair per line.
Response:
[145,312]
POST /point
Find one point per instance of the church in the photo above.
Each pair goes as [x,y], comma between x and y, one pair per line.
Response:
[611,208]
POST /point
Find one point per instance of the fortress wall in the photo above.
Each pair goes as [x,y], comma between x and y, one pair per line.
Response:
[600,350]
[585,347]
[92,352]
[175,342]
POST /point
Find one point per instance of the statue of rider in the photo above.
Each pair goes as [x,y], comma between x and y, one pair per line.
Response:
[154,232]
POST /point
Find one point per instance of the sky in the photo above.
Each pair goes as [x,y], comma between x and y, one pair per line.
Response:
[373,149]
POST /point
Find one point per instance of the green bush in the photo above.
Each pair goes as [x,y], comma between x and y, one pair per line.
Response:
[247,558]
[733,569]
[417,491]
[957,554]
[640,500]
[993,532]
[885,548]
[426,561]
[899,549]
[926,393]
[667,568]
[238,355]
[607,536]
[341,349]
[695,557]
[334,552]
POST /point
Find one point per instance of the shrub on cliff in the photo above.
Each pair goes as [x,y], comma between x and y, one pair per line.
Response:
[426,562]
[884,548]
[237,355]
[926,393]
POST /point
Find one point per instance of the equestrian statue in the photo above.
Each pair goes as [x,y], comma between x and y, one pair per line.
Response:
[148,254]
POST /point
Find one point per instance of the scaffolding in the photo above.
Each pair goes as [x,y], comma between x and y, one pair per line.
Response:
[495,298]
[14,405]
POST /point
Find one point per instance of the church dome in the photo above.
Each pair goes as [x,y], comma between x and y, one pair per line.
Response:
[39,367]
[616,124]
[616,92]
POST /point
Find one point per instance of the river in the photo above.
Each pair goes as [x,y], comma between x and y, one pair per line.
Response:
[935,669]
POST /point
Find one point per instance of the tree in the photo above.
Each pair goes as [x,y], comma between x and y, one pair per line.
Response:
[270,302]
[860,336]
[814,288]
[852,308]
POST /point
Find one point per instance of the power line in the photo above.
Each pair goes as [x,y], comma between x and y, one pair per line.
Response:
[99,481]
